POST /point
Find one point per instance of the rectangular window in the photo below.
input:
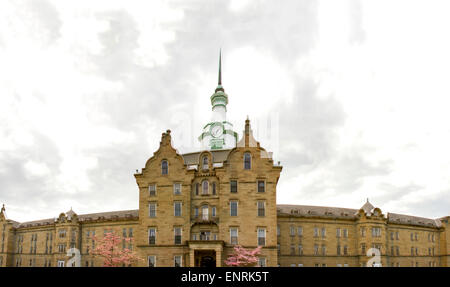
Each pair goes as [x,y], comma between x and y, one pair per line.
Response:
[412,237]
[205,235]
[300,231]
[363,232]
[417,236]
[177,188]
[363,249]
[233,186]
[324,250]
[316,232]
[152,236]
[392,235]
[177,234]
[261,236]
[233,236]
[300,249]
[177,208]
[376,232]
[261,208]
[196,188]
[261,186]
[338,232]
[214,192]
[177,261]
[292,231]
[345,231]
[292,249]
[338,250]
[396,235]
[233,208]
[345,249]
[213,211]
[278,230]
[152,209]
[130,232]
[152,189]
[152,261]
[262,262]
[205,212]
[196,212]
[323,232]
[60,263]
[316,249]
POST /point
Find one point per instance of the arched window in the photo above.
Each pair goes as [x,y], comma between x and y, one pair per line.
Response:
[164,167]
[205,162]
[205,187]
[205,212]
[247,160]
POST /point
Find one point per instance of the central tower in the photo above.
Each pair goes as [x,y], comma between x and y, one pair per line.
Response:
[218,133]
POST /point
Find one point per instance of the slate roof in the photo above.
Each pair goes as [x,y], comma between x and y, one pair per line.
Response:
[413,220]
[348,213]
[282,209]
[314,211]
[111,215]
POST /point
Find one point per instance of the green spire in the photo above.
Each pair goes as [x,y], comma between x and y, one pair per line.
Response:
[220,67]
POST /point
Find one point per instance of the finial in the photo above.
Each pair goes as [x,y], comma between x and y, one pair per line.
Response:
[220,67]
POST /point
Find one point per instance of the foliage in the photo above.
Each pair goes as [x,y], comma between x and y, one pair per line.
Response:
[113,255]
[242,257]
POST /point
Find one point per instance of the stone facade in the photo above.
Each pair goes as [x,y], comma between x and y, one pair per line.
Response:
[194,207]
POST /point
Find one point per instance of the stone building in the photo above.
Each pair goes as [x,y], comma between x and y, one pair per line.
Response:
[193,208]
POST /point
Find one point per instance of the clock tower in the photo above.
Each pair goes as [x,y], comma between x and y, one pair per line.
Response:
[218,133]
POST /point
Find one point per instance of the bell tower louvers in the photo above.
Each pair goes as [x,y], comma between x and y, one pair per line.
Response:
[218,133]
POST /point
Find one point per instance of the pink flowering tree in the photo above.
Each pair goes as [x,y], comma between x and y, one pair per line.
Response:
[109,249]
[242,257]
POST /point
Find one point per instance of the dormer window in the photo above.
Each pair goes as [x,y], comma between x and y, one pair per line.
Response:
[205,162]
[247,160]
[164,167]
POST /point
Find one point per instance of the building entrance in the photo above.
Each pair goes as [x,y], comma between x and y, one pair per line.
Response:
[205,258]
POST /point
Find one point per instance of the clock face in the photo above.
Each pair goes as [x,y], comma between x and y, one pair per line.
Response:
[216,130]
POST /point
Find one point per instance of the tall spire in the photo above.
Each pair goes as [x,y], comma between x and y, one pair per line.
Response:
[220,67]
[219,82]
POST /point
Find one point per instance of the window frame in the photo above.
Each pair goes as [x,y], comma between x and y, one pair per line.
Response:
[166,168]
[150,209]
[245,160]
[148,260]
[175,188]
[175,203]
[149,233]
[258,237]
[231,186]
[231,235]
[149,189]
[231,208]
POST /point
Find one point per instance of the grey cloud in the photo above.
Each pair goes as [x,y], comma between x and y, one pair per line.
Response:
[18,188]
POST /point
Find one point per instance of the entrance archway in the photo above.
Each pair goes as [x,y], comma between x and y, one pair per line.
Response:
[205,258]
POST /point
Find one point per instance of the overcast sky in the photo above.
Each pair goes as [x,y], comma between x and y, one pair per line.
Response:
[356,95]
